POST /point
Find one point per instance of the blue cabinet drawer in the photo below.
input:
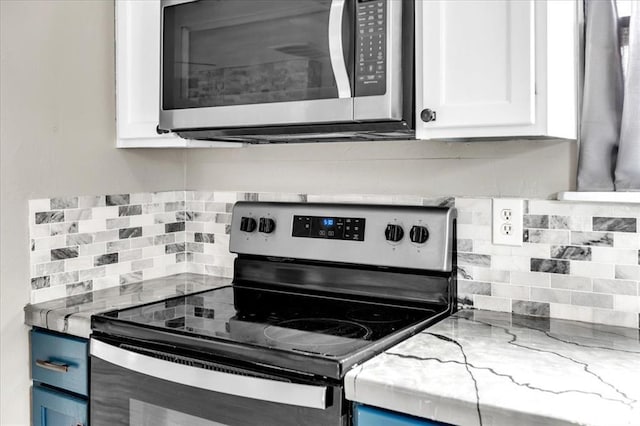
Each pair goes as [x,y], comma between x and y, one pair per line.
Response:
[56,408]
[60,361]
[371,416]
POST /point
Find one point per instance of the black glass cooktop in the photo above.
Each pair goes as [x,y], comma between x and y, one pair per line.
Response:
[305,324]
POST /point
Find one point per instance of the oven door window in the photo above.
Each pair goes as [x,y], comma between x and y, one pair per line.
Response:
[145,414]
[230,52]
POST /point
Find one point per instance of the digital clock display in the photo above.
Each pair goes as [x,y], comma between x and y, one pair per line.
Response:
[329,228]
[327,221]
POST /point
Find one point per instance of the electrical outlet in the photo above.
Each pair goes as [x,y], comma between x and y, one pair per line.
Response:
[507,221]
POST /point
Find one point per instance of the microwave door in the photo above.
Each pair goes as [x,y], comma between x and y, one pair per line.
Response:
[230,63]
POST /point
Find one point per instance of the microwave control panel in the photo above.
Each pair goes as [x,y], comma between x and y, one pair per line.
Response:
[371,43]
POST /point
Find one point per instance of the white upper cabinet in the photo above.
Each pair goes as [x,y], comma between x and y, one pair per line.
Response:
[138,78]
[496,68]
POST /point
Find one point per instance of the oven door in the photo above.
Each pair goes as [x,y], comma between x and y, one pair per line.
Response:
[138,386]
[230,63]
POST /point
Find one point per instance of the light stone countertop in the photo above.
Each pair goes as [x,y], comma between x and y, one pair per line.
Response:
[72,315]
[491,368]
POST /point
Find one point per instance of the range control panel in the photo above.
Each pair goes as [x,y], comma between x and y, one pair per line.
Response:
[371,46]
[337,228]
[395,236]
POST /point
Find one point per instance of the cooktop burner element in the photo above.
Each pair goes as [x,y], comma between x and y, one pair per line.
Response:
[324,331]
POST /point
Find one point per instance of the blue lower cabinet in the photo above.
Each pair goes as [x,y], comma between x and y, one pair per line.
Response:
[365,415]
[56,408]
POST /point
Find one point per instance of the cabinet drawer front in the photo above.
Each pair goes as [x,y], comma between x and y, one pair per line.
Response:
[60,361]
[52,408]
[371,416]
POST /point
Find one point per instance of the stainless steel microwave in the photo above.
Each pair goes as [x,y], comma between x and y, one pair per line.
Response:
[287,70]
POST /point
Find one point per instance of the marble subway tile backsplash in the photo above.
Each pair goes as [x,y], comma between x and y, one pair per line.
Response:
[578,261]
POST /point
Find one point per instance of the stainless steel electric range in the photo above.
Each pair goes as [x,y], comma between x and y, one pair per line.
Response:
[317,289]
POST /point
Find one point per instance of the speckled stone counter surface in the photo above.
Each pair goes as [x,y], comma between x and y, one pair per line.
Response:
[72,315]
[490,368]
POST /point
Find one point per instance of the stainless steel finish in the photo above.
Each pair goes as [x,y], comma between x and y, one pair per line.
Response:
[389,105]
[336,52]
[48,365]
[298,112]
[248,387]
[435,254]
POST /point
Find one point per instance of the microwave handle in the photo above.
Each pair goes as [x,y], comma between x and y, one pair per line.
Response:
[336,53]
[282,392]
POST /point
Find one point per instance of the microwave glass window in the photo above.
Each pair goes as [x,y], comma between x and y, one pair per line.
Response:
[230,52]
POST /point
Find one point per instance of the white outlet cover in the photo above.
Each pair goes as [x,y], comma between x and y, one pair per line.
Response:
[497,221]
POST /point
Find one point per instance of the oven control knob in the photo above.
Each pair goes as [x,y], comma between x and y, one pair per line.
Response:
[419,234]
[267,225]
[393,232]
[247,224]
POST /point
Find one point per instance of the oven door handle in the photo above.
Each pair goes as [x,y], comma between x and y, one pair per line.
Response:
[243,386]
[336,53]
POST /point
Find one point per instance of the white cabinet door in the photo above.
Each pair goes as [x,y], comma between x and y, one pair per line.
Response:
[481,67]
[138,78]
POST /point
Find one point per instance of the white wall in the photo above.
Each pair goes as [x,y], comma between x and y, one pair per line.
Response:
[532,169]
[57,138]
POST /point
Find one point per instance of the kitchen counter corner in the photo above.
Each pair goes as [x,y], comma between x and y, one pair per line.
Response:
[491,368]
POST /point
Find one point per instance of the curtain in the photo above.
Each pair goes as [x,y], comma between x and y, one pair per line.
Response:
[610,127]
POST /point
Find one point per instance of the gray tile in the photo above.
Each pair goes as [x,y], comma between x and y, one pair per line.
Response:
[201,237]
[77,214]
[49,217]
[544,236]
[536,221]
[627,272]
[223,218]
[525,307]
[174,206]
[174,248]
[474,287]
[184,257]
[551,266]
[483,260]
[550,295]
[559,222]
[628,288]
[117,199]
[130,278]
[64,253]
[79,299]
[79,239]
[195,247]
[464,272]
[465,245]
[595,300]
[118,222]
[79,288]
[570,283]
[64,228]
[40,282]
[571,252]
[105,259]
[49,268]
[183,216]
[130,232]
[64,278]
[113,246]
[174,227]
[130,210]
[89,274]
[614,224]
[600,239]
[164,239]
[59,203]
